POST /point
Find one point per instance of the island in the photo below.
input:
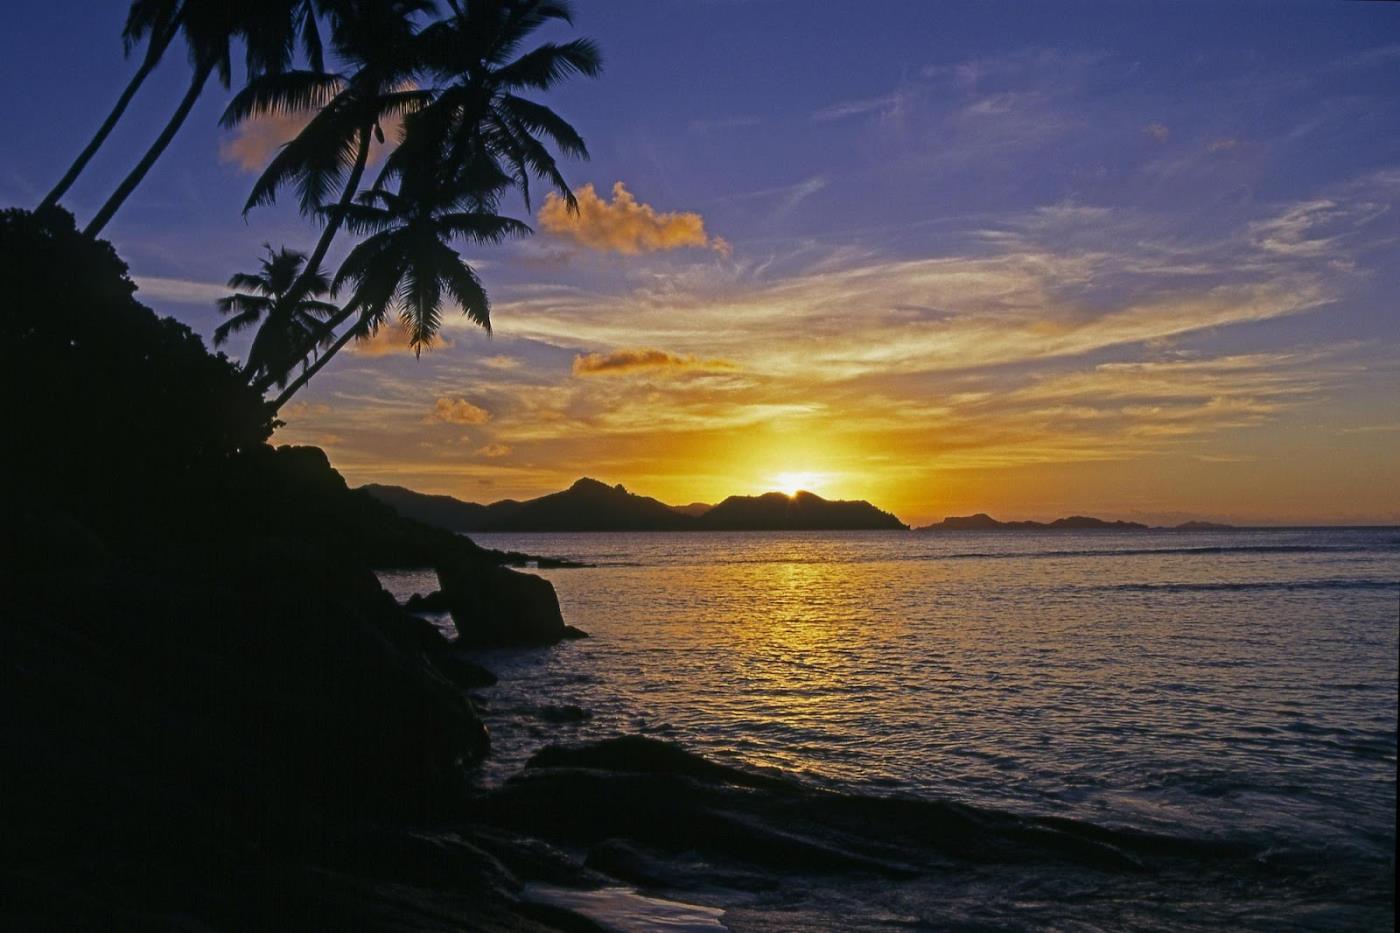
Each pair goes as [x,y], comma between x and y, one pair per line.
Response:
[984,522]
[591,505]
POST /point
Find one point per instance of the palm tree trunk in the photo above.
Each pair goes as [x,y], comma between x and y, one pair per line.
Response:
[298,291]
[323,245]
[315,367]
[153,55]
[133,179]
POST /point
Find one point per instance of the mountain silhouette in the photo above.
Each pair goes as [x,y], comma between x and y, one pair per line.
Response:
[805,511]
[590,505]
[984,522]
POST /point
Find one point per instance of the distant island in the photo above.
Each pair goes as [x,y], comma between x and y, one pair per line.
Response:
[984,522]
[590,505]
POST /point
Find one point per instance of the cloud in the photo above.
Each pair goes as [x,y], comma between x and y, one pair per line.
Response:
[254,142]
[494,451]
[642,358]
[501,361]
[393,337]
[1224,144]
[626,225]
[1158,131]
[181,291]
[458,411]
[889,103]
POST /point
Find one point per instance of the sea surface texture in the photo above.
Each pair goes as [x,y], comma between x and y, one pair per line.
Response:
[1236,688]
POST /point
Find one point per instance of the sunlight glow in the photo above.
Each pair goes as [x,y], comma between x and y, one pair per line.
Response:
[792,483]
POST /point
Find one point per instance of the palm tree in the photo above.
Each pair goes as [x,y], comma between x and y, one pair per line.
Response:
[479,114]
[373,38]
[287,325]
[268,29]
[406,264]
[481,108]
[155,21]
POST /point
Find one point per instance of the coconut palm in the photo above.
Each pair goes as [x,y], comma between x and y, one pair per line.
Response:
[156,22]
[268,29]
[478,113]
[475,54]
[288,324]
[327,158]
[406,265]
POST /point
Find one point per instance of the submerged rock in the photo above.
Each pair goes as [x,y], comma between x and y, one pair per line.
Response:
[497,606]
[565,712]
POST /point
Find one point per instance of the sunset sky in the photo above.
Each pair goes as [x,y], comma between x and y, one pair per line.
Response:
[1140,261]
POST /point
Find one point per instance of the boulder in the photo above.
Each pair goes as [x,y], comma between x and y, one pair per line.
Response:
[497,606]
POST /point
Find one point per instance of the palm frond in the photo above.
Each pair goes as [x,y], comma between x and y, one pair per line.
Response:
[282,93]
[546,65]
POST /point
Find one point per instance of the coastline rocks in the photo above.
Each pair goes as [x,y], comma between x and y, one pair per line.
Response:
[464,673]
[246,694]
[433,602]
[495,606]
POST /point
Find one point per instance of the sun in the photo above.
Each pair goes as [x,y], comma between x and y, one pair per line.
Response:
[792,483]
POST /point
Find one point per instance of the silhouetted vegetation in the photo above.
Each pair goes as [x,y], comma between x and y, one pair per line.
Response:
[119,410]
[453,83]
[287,324]
[200,674]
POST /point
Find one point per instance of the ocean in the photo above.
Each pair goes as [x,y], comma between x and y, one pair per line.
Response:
[1233,688]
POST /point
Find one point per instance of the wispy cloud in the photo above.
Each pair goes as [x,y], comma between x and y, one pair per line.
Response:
[885,104]
[180,291]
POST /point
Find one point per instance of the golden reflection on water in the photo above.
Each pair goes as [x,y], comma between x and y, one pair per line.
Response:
[1083,673]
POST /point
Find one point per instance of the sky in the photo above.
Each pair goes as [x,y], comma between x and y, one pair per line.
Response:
[1136,260]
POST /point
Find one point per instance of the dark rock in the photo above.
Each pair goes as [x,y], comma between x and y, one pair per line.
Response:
[493,605]
[638,753]
[464,673]
[566,712]
[433,602]
[572,633]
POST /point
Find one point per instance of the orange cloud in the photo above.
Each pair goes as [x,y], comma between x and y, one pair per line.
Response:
[458,411]
[256,140]
[494,450]
[392,337]
[625,225]
[641,358]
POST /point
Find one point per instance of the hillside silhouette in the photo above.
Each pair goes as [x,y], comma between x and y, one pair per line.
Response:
[984,522]
[590,505]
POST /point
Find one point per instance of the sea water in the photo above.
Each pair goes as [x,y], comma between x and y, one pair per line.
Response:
[1236,686]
